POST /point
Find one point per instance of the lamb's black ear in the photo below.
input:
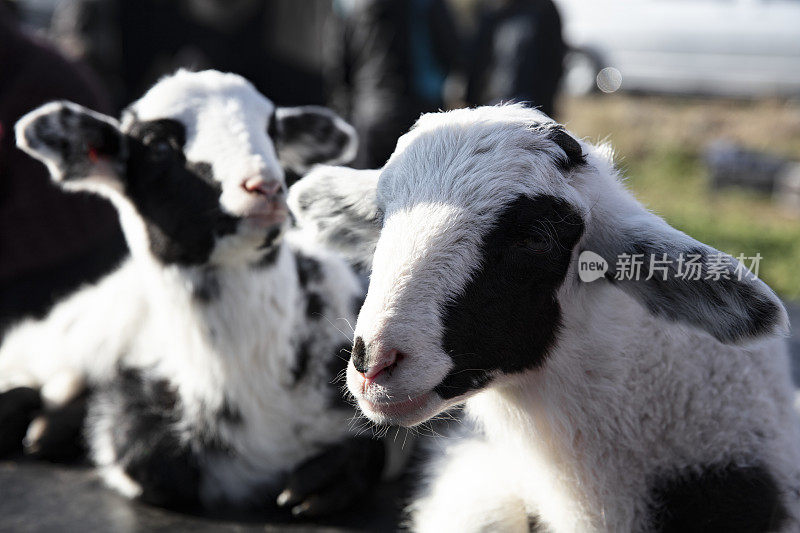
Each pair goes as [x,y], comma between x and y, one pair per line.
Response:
[309,135]
[339,206]
[573,151]
[82,149]
[682,279]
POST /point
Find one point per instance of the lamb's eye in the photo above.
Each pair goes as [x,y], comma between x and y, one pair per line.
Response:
[160,147]
[533,243]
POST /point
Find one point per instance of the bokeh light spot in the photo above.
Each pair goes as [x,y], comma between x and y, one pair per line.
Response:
[609,80]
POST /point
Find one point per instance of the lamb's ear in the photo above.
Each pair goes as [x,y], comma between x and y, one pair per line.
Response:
[689,282]
[573,153]
[338,205]
[309,135]
[81,148]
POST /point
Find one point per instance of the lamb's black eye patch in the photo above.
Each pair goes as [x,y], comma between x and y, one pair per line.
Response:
[507,316]
[164,129]
[178,199]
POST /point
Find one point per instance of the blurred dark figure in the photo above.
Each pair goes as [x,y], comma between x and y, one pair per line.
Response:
[275,44]
[388,63]
[50,242]
[517,55]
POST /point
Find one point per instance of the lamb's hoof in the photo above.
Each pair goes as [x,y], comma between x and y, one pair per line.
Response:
[17,408]
[335,479]
[57,434]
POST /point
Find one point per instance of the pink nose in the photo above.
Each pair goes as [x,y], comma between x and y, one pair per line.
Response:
[260,186]
[383,363]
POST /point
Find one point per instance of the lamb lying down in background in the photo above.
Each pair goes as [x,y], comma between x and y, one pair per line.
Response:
[652,402]
[211,355]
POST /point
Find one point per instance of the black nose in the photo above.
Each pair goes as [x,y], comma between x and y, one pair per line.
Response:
[359,355]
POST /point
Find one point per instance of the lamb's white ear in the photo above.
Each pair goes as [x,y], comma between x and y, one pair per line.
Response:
[339,206]
[309,135]
[83,149]
[682,279]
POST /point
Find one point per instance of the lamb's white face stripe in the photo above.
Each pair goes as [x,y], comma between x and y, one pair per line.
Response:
[226,123]
[406,291]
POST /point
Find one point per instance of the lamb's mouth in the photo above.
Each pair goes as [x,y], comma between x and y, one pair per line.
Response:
[409,412]
[272,213]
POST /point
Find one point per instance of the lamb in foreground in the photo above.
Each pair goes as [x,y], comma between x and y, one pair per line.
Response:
[653,402]
[210,355]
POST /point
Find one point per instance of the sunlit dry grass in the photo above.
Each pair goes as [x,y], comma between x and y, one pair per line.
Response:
[659,143]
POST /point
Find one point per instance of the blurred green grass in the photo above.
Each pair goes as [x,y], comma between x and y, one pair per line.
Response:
[659,143]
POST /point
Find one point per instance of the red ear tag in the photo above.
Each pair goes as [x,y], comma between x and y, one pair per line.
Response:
[93,157]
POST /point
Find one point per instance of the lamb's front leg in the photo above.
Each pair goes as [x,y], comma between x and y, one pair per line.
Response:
[53,432]
[18,406]
[336,478]
[46,365]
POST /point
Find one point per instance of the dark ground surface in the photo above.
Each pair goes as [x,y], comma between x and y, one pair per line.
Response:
[42,497]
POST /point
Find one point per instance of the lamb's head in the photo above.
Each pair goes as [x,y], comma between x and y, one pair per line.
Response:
[478,220]
[195,167]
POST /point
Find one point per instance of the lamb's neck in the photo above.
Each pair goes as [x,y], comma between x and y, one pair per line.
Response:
[215,323]
[567,424]
[546,410]
[208,288]
[564,472]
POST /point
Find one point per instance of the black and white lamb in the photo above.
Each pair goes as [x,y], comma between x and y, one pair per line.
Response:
[211,353]
[659,402]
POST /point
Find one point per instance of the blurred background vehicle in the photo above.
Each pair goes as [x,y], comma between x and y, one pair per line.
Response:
[715,47]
